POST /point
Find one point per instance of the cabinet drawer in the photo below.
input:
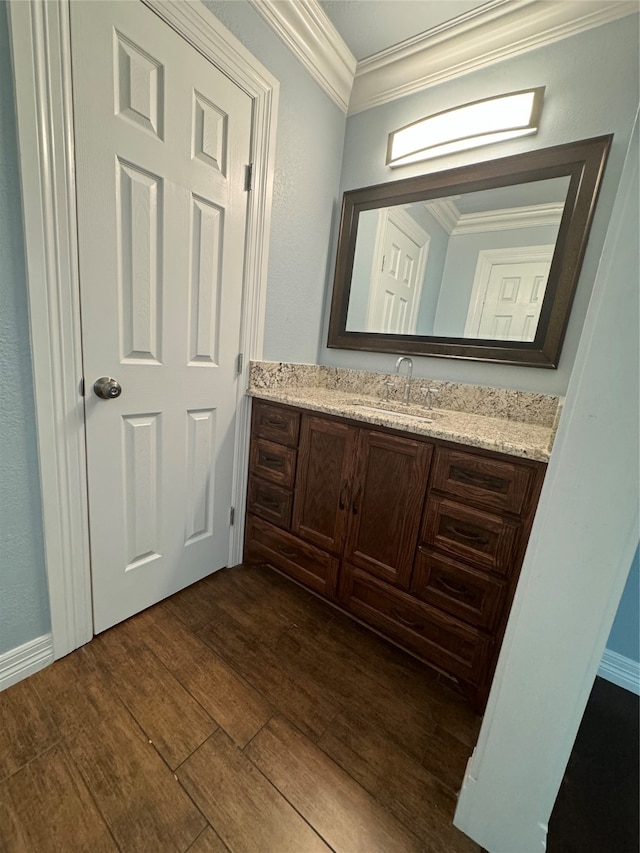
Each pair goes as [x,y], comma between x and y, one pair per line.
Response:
[275,423]
[311,566]
[442,582]
[271,502]
[435,636]
[273,462]
[490,483]
[487,541]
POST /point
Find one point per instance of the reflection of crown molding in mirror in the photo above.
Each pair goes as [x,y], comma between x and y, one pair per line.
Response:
[530,216]
[579,165]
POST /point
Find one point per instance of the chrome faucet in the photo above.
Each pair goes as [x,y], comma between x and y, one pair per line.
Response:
[407,384]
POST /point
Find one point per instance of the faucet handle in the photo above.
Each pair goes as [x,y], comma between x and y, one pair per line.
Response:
[387,384]
[429,393]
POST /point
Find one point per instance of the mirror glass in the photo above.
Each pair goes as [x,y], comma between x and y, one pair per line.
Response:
[471,265]
[477,262]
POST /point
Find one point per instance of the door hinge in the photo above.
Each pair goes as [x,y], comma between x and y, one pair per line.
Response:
[384,260]
[240,363]
[248,177]
[82,386]
[232,515]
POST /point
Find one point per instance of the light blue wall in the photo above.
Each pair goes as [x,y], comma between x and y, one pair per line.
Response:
[625,633]
[586,96]
[24,607]
[305,194]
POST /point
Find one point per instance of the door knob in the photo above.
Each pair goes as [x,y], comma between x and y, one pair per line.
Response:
[107,388]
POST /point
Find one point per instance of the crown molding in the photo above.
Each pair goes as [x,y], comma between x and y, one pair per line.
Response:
[497,30]
[484,36]
[446,213]
[529,216]
[307,31]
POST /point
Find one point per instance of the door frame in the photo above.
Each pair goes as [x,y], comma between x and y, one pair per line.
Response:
[41,55]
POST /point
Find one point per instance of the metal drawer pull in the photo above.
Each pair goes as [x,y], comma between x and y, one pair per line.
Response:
[268,500]
[419,626]
[485,480]
[289,555]
[276,423]
[472,537]
[342,500]
[460,591]
[271,460]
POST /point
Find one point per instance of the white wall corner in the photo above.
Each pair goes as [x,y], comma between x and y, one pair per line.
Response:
[493,32]
[307,31]
[25,660]
[620,670]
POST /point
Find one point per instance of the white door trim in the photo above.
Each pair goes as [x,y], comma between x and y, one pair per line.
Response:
[40,42]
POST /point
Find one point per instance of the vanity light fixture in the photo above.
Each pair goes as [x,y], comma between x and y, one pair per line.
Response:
[469,126]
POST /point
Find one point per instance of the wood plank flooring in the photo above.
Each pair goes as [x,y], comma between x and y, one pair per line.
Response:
[242,715]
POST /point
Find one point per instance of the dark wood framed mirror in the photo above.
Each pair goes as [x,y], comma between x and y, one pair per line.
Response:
[479,262]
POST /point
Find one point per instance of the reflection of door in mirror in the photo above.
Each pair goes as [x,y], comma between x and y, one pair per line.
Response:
[507,294]
[396,276]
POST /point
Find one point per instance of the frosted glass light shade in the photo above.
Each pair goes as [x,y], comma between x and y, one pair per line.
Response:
[468,126]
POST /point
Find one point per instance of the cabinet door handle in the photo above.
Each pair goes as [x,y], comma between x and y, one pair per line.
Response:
[356,498]
[464,534]
[342,501]
[419,626]
[460,591]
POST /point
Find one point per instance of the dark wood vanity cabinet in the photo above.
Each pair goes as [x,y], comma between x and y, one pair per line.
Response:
[420,539]
[386,500]
[326,454]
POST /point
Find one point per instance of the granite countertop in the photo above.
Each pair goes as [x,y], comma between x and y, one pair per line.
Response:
[527,440]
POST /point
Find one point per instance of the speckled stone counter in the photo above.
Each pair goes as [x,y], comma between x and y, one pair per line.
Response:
[512,422]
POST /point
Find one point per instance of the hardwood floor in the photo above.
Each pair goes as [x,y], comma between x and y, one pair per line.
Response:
[240,715]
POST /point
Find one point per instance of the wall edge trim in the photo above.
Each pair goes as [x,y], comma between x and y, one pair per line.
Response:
[620,670]
[25,660]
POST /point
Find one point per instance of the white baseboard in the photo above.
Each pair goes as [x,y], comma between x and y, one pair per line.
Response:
[620,670]
[24,660]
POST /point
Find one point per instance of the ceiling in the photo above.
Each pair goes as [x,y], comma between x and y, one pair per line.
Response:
[369,26]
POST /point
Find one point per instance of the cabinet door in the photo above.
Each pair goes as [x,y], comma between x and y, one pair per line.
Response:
[386,504]
[322,483]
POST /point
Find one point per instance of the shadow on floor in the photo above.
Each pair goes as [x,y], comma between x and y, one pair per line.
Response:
[597,806]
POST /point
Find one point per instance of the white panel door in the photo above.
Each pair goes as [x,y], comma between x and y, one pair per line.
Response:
[162,141]
[513,301]
[396,285]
